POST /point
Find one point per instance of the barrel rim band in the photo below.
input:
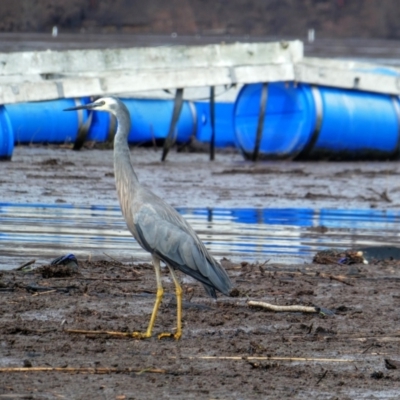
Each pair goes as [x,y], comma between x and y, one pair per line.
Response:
[316,94]
[395,102]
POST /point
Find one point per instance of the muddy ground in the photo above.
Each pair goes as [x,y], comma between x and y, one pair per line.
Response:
[56,174]
[228,350]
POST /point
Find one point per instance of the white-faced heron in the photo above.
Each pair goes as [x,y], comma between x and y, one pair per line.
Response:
[156,226]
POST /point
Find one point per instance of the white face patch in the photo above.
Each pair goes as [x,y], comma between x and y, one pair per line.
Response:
[106,104]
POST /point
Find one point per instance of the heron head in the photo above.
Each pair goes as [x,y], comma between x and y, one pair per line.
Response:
[109,104]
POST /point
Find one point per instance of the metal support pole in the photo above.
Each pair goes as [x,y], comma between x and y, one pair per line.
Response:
[212,122]
[170,139]
[260,125]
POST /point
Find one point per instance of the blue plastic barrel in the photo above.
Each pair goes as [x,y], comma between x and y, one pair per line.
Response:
[304,122]
[45,121]
[6,136]
[354,125]
[101,126]
[224,130]
[150,120]
[288,121]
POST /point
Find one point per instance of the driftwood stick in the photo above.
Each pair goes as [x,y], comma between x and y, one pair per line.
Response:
[109,279]
[100,370]
[338,278]
[25,264]
[270,358]
[273,307]
[42,293]
[84,332]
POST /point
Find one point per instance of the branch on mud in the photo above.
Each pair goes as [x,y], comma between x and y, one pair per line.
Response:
[273,307]
[84,370]
[338,278]
[292,308]
[111,333]
[270,358]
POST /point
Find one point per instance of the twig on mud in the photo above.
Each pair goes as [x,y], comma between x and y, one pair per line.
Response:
[108,279]
[42,293]
[120,265]
[26,331]
[272,358]
[36,288]
[322,377]
[338,278]
[112,333]
[112,258]
[84,370]
[25,264]
[276,308]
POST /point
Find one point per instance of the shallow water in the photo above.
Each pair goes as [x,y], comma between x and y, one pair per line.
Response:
[43,232]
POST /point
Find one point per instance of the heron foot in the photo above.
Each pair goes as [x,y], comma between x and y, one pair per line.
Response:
[139,335]
[175,336]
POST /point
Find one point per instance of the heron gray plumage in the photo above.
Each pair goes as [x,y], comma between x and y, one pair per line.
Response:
[157,226]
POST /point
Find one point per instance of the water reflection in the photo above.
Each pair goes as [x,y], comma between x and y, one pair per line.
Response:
[44,231]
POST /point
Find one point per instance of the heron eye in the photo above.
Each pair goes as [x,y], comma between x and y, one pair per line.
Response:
[100,103]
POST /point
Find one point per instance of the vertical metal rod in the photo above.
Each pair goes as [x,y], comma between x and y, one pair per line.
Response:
[212,121]
[260,125]
[170,139]
[82,132]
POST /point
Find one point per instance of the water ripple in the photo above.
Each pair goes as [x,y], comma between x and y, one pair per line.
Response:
[43,231]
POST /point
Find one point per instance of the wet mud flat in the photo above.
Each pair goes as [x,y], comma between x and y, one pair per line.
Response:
[56,174]
[228,349]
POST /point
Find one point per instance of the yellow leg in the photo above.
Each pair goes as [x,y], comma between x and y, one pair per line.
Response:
[178,290]
[159,296]
[149,331]
[137,335]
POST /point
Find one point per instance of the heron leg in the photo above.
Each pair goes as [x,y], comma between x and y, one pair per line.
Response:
[178,291]
[159,296]
[139,335]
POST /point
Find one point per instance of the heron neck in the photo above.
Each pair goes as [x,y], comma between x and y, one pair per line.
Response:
[123,169]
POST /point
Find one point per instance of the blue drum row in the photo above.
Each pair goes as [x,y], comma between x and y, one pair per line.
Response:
[300,122]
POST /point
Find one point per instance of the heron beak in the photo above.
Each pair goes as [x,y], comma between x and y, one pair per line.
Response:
[89,106]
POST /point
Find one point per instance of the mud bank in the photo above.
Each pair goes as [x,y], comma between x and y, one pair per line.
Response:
[50,174]
[228,350]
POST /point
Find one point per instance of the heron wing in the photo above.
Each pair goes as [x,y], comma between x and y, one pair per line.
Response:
[177,245]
